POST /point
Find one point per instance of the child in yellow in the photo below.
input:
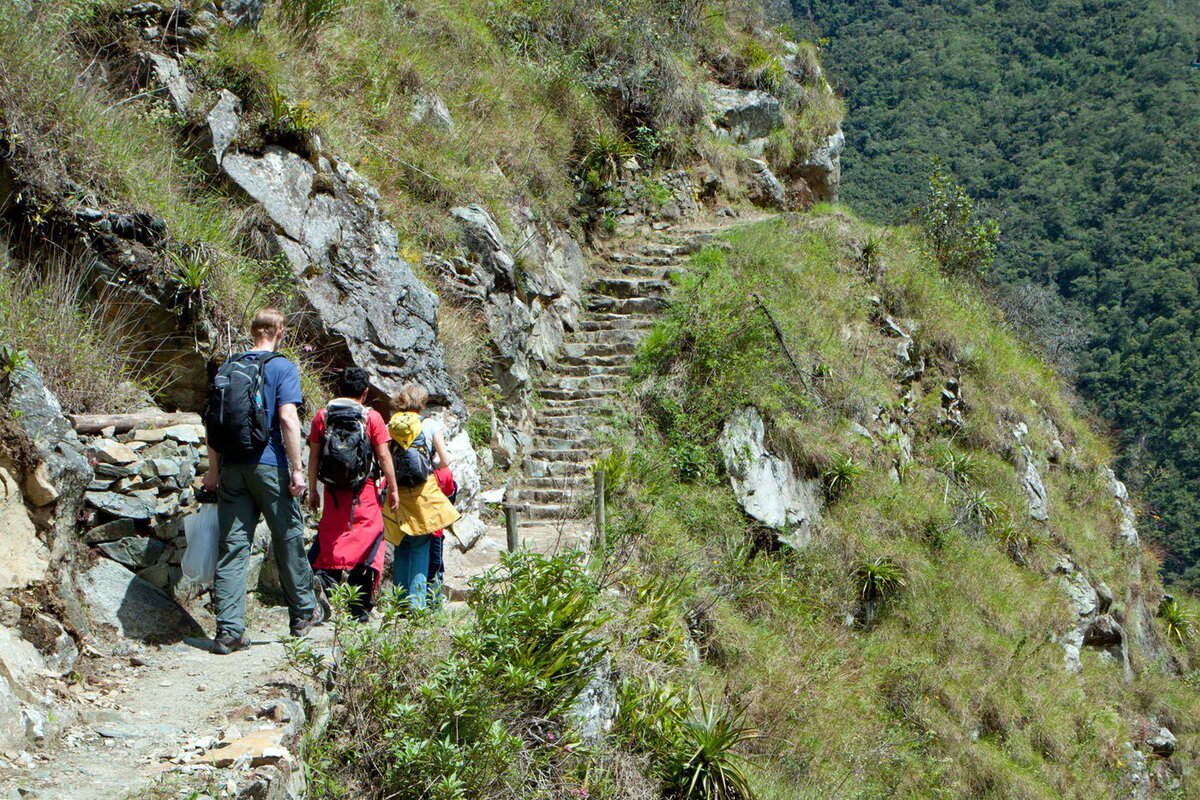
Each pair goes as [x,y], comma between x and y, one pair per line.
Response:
[423,507]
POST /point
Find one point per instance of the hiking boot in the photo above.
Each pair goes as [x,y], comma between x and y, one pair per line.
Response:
[302,626]
[226,643]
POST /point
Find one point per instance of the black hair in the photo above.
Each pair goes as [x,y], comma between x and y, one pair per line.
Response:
[353,382]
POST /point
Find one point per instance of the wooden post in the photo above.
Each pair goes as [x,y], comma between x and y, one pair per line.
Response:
[601,515]
[510,527]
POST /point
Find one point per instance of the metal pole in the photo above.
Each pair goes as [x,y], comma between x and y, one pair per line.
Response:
[510,526]
[601,515]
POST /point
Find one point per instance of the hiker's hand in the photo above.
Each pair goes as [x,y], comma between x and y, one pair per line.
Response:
[298,483]
[393,498]
[314,500]
[210,480]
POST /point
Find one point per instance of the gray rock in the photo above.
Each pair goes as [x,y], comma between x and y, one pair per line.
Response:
[185,434]
[745,115]
[822,170]
[169,73]
[59,651]
[110,531]
[1031,479]
[120,505]
[593,712]
[224,124]
[363,302]
[24,559]
[766,190]
[243,13]
[135,608]
[1162,743]
[1127,530]
[431,111]
[112,452]
[766,485]
[158,575]
[135,552]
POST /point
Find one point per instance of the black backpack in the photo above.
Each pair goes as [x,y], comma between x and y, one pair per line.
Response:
[235,414]
[346,459]
[412,464]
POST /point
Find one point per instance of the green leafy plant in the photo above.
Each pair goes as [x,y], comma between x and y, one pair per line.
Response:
[191,268]
[956,236]
[1176,620]
[879,580]
[12,359]
[841,475]
[615,466]
[309,16]
[285,116]
[479,429]
[712,769]
[606,155]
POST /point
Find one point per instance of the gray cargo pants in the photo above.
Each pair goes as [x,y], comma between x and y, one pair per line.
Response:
[246,490]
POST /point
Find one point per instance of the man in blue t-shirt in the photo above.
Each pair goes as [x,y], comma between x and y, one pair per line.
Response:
[271,485]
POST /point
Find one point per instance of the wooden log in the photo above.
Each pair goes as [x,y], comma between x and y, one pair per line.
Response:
[124,423]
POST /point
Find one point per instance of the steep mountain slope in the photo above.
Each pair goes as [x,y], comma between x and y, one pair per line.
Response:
[1078,123]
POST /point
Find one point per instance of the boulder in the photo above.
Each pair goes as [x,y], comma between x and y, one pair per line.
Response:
[38,488]
[745,115]
[822,170]
[1162,743]
[110,531]
[1031,479]
[594,711]
[133,607]
[111,452]
[766,190]
[224,123]
[135,552]
[26,715]
[242,13]
[1127,529]
[362,300]
[766,485]
[24,560]
[170,75]
[431,111]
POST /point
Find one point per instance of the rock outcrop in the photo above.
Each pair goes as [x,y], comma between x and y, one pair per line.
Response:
[1031,478]
[744,115]
[362,301]
[768,486]
[1094,625]
[527,311]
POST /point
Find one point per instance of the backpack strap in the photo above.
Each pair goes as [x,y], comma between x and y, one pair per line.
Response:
[370,559]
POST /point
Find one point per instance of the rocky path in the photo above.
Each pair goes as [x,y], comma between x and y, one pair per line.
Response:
[630,287]
[158,716]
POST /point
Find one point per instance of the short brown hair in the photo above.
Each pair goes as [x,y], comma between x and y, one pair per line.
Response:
[412,397]
[267,322]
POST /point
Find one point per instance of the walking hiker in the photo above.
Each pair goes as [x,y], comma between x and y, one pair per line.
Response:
[424,508]
[434,432]
[253,430]
[348,448]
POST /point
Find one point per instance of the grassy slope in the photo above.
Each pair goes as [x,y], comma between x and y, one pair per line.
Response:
[960,690]
[1079,124]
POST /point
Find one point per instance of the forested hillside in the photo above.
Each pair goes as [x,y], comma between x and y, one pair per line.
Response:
[1078,124]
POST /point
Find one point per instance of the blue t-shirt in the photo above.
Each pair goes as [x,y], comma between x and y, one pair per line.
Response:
[281,385]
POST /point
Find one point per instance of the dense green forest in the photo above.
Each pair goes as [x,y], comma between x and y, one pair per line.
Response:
[1077,123]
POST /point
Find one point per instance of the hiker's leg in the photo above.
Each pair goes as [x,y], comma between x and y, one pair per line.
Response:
[412,563]
[437,568]
[363,579]
[237,516]
[269,485]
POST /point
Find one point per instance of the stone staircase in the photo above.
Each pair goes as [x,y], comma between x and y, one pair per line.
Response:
[629,288]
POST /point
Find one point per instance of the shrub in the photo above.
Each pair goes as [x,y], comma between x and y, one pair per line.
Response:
[879,580]
[309,16]
[956,236]
[83,344]
[1176,620]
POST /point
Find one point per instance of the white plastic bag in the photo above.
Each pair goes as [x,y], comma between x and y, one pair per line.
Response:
[200,558]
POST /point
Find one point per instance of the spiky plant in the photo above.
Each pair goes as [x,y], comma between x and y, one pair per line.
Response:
[879,579]
[841,475]
[1176,620]
[712,769]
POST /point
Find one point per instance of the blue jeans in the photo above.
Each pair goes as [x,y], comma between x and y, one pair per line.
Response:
[410,566]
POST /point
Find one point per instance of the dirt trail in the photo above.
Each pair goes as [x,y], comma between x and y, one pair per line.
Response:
[147,705]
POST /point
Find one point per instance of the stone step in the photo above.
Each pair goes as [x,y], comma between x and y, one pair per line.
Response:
[569,364]
[616,322]
[562,440]
[629,288]
[555,410]
[663,249]
[644,259]
[578,382]
[643,271]
[631,305]
[570,451]
[608,335]
[575,483]
[547,511]
[559,496]
[619,369]
[603,349]
[552,393]
[536,468]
